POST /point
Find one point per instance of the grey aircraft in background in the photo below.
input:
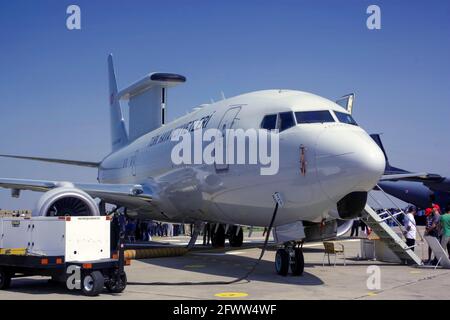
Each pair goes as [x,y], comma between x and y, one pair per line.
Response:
[419,189]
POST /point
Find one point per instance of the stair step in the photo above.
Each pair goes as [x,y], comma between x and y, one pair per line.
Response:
[390,237]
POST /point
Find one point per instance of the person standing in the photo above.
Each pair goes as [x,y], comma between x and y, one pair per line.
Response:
[355,228]
[206,234]
[432,227]
[410,227]
[445,223]
[144,230]
[187,229]
[363,226]
[170,229]
[137,230]
[159,229]
[165,227]
[150,230]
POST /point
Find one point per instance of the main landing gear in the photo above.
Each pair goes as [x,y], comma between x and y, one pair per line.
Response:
[290,256]
[235,236]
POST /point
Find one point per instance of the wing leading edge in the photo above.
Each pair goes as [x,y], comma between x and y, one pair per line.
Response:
[53,160]
[119,194]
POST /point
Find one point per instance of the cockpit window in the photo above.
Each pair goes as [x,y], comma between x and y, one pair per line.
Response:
[345,118]
[269,122]
[314,116]
[286,120]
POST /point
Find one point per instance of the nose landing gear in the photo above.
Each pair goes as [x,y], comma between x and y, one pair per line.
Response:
[290,256]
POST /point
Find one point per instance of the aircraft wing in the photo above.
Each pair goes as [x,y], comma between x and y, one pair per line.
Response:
[53,160]
[119,194]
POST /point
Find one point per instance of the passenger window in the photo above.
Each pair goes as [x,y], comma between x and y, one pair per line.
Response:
[269,122]
[314,117]
[286,120]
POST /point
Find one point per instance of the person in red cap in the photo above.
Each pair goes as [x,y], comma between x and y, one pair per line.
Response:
[437,212]
[433,225]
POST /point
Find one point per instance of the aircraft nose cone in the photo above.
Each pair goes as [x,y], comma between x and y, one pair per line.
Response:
[348,160]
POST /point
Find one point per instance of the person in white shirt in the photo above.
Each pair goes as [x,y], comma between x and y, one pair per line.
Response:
[409,223]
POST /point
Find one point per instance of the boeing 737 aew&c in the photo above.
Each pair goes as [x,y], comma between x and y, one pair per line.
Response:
[309,151]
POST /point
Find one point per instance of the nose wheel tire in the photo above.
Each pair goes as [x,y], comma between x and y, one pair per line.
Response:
[93,283]
[5,279]
[282,262]
[298,265]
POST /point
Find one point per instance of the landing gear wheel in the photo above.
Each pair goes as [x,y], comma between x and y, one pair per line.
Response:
[218,237]
[117,285]
[5,279]
[298,264]
[282,262]
[236,240]
[93,283]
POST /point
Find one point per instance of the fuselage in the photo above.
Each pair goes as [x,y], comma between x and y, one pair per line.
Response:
[323,156]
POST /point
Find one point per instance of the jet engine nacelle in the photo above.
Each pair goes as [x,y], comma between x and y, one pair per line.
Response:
[66,201]
[351,206]
[343,226]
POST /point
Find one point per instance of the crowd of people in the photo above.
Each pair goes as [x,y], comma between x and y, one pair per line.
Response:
[437,224]
[145,230]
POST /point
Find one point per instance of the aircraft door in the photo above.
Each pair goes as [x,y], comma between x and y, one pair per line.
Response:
[227,122]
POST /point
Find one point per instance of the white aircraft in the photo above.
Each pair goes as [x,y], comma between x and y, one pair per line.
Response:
[327,164]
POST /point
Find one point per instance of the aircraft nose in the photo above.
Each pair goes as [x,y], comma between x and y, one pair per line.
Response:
[348,160]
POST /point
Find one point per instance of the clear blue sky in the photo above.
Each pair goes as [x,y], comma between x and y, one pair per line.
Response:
[53,81]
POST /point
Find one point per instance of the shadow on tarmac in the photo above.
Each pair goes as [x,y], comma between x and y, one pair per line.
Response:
[228,263]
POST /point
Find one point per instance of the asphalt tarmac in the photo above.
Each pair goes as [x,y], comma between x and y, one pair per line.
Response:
[358,279]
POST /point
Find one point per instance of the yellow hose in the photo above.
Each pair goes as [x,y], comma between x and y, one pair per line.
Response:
[154,253]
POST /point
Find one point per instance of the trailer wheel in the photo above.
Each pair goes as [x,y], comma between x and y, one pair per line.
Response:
[117,285]
[5,279]
[93,283]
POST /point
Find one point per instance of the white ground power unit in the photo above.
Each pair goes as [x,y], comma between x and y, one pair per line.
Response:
[59,247]
[75,238]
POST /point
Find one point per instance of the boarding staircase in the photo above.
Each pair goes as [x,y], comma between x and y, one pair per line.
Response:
[378,222]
